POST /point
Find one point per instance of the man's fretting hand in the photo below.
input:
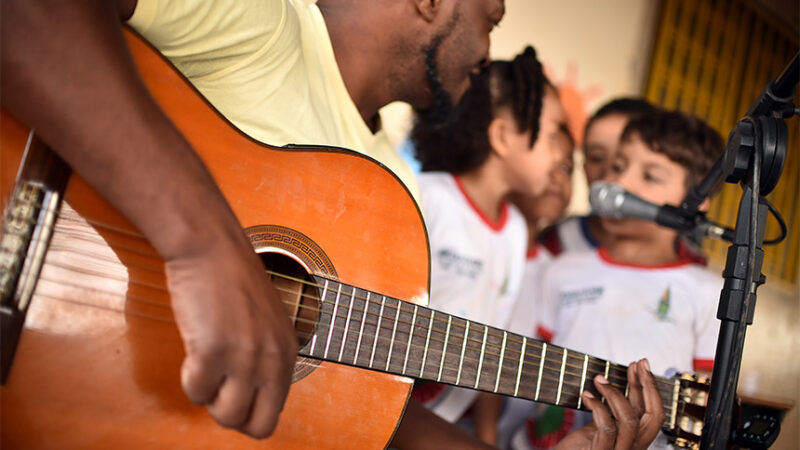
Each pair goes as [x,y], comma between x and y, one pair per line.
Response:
[635,422]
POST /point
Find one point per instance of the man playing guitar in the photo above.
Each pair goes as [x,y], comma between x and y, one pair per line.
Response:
[66,72]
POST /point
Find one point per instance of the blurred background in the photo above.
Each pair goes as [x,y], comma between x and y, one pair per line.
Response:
[710,58]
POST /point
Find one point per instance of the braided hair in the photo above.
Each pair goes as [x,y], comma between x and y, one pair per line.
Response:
[461,143]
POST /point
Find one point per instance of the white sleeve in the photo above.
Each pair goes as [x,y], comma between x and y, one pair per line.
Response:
[706,327]
[547,298]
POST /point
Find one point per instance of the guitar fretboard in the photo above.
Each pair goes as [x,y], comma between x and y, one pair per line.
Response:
[372,331]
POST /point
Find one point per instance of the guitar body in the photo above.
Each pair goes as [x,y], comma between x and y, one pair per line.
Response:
[98,361]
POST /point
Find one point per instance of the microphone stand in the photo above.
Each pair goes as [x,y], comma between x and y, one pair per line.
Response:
[754,158]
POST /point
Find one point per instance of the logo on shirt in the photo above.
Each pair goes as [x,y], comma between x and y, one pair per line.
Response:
[584,295]
[460,265]
[663,305]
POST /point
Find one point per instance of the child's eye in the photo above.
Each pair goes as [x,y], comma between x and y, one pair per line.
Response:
[617,168]
[651,179]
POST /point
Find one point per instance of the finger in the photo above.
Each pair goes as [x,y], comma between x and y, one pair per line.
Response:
[653,417]
[606,431]
[627,422]
[200,381]
[264,415]
[635,396]
[231,408]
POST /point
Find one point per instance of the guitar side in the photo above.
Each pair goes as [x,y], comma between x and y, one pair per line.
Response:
[98,361]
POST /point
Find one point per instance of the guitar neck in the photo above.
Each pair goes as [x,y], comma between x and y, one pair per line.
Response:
[372,331]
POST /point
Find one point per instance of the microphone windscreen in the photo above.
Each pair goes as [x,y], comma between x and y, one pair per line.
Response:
[606,199]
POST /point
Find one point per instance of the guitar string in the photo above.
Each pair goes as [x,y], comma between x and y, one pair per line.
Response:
[614,372]
[477,341]
[665,394]
[442,322]
[388,316]
[533,353]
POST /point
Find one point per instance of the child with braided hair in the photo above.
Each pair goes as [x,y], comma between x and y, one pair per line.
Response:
[503,139]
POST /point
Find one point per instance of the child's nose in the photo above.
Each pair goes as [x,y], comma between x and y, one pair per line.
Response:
[625,180]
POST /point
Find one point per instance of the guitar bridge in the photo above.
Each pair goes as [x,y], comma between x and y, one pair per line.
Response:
[27,226]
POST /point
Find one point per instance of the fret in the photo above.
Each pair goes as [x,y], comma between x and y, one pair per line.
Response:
[676,390]
[427,340]
[410,335]
[561,377]
[333,318]
[519,369]
[605,375]
[583,378]
[541,370]
[361,329]
[347,324]
[444,347]
[314,338]
[500,364]
[394,331]
[313,344]
[377,330]
[463,350]
[480,359]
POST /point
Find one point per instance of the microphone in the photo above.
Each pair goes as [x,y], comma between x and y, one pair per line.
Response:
[611,200]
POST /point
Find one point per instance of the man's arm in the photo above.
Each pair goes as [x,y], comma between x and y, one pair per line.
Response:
[422,429]
[66,72]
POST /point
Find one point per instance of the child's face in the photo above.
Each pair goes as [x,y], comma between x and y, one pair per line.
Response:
[602,140]
[547,208]
[647,174]
[528,169]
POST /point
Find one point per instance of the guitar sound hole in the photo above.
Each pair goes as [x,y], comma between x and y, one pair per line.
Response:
[298,291]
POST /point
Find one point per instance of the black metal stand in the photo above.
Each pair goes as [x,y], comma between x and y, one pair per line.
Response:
[754,157]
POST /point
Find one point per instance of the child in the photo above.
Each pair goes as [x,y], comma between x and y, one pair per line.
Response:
[600,141]
[637,295]
[502,140]
[538,211]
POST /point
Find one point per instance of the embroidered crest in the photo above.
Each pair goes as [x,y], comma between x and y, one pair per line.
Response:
[663,305]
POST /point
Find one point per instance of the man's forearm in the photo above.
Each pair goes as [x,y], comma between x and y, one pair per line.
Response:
[422,429]
[67,73]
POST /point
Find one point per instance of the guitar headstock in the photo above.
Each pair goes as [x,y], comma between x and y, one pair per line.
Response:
[689,408]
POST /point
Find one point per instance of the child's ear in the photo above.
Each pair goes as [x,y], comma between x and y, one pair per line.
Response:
[498,135]
[705,205]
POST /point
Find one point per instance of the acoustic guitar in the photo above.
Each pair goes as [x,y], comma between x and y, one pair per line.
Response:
[91,354]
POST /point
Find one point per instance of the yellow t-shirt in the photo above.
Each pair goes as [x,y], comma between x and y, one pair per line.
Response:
[269,67]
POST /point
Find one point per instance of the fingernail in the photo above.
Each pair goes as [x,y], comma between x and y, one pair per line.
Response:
[601,379]
[588,394]
[646,364]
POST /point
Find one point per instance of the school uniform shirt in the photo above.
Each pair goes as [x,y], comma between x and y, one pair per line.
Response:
[268,66]
[526,316]
[524,320]
[570,235]
[476,270]
[623,312]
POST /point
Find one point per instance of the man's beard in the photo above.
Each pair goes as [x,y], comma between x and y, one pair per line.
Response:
[442,110]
